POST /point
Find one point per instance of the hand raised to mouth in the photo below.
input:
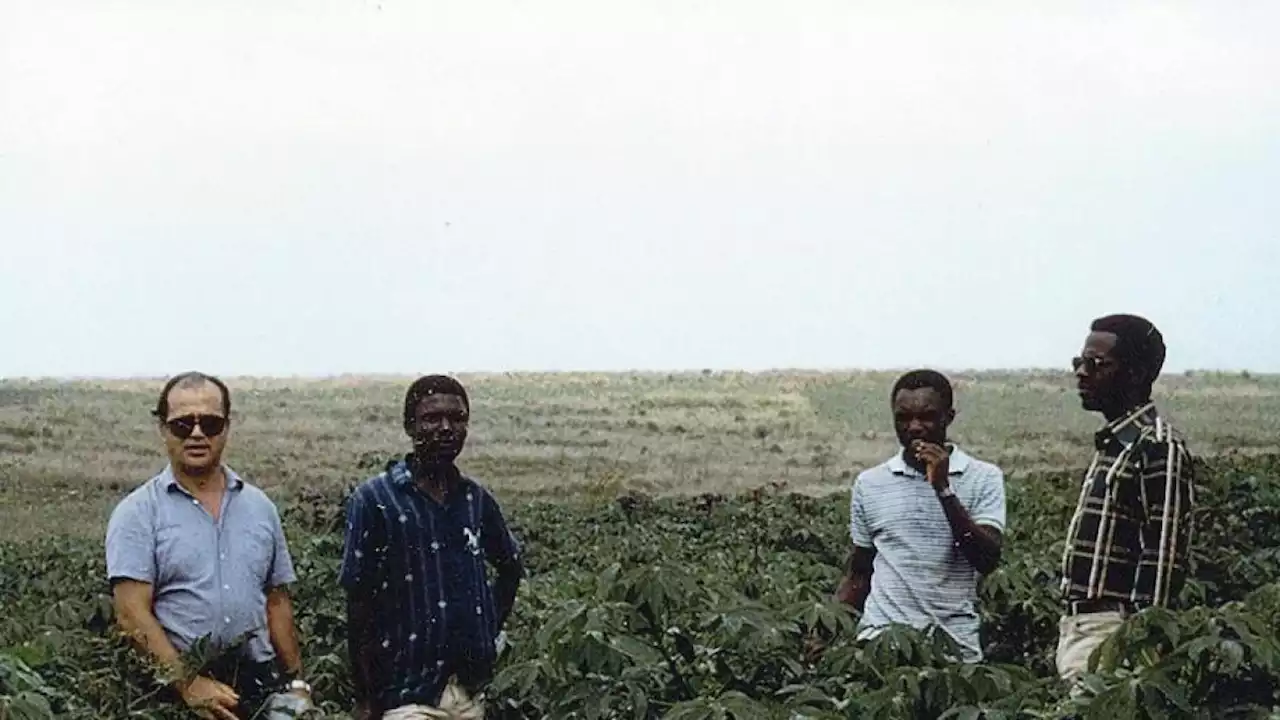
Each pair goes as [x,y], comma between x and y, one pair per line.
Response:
[937,462]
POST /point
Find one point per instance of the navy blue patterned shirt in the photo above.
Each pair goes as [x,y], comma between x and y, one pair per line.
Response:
[421,564]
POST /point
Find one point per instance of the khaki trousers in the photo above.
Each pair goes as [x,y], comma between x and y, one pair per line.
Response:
[455,704]
[1079,636]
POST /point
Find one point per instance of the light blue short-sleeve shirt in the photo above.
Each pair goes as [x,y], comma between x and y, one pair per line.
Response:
[919,577]
[209,577]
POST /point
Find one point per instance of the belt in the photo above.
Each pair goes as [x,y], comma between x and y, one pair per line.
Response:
[1084,607]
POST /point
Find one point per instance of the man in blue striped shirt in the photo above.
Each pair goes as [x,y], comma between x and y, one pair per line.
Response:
[926,524]
[422,619]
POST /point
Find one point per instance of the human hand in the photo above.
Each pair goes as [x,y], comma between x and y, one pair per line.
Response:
[210,698]
[937,462]
[362,711]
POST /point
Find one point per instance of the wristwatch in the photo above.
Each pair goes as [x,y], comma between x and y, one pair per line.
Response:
[302,685]
[947,492]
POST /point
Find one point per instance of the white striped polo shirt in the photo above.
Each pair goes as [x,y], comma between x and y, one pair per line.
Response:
[919,577]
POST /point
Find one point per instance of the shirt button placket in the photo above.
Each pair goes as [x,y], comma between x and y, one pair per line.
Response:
[222,597]
[220,575]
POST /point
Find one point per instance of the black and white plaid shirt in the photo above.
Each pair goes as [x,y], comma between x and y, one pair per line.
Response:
[1130,537]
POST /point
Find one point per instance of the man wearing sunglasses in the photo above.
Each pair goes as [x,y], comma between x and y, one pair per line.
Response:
[196,552]
[424,626]
[1128,542]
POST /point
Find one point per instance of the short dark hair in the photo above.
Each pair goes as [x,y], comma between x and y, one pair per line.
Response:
[924,378]
[1139,345]
[192,378]
[426,386]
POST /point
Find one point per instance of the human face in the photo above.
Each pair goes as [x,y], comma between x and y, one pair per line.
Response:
[439,428]
[1100,379]
[919,414]
[200,452]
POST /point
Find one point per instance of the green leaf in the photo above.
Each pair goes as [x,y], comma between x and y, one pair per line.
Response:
[639,651]
[1171,691]
[25,706]
[550,631]
[698,709]
[742,707]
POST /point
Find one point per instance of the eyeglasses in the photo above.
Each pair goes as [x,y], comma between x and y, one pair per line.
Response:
[211,425]
[1091,363]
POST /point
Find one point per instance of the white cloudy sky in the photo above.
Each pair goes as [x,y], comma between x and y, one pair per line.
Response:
[274,187]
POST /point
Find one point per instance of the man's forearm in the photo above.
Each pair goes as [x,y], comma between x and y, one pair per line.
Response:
[146,634]
[979,545]
[506,586]
[854,589]
[359,647]
[1163,570]
[283,631]
[1166,536]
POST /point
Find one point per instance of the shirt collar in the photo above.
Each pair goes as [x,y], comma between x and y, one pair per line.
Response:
[401,473]
[959,462]
[1126,429]
[168,481]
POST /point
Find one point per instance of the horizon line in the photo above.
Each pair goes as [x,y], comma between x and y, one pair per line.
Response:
[372,375]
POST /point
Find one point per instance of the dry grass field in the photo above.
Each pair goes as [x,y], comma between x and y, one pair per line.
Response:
[70,450]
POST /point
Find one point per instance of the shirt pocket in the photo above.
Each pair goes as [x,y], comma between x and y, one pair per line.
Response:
[183,554]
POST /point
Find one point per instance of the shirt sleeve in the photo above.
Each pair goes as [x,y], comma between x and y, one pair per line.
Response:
[1167,496]
[859,525]
[358,562]
[131,541]
[500,545]
[989,505]
[282,572]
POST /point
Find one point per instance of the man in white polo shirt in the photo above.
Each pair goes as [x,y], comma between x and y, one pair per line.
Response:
[926,523]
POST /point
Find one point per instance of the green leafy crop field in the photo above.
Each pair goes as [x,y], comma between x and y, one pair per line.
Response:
[677,581]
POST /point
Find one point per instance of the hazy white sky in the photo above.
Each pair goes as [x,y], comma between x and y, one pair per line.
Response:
[360,186]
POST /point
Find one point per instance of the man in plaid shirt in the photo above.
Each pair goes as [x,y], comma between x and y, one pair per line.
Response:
[1128,543]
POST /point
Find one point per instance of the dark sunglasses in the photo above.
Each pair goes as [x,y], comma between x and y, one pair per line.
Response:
[1092,363]
[211,425]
